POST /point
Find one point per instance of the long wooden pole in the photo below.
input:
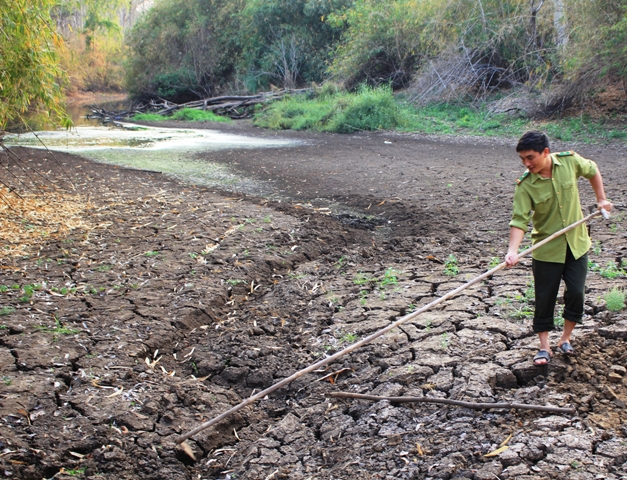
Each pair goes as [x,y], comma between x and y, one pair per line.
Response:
[375,335]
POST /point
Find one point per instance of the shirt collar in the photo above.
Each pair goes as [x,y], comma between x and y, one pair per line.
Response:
[535,176]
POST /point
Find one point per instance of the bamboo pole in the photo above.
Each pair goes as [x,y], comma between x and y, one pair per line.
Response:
[377,334]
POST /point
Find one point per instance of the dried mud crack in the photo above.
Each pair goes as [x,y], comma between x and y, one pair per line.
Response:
[186,301]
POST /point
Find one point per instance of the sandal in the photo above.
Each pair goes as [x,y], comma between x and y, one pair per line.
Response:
[566,348]
[542,355]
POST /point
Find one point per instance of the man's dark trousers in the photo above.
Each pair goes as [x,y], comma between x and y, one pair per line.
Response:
[547,277]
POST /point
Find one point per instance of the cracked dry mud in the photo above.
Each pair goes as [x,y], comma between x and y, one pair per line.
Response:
[134,336]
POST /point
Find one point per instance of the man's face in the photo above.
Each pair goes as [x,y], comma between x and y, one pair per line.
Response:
[534,161]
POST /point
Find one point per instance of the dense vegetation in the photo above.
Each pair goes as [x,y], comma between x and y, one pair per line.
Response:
[439,49]
[550,54]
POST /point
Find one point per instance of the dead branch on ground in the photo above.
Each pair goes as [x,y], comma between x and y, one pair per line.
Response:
[458,403]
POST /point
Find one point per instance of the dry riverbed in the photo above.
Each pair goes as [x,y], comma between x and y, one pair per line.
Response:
[173,303]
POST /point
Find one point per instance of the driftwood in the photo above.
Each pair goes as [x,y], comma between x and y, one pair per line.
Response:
[377,334]
[445,401]
[235,106]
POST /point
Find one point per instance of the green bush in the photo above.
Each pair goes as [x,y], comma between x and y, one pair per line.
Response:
[341,112]
[615,299]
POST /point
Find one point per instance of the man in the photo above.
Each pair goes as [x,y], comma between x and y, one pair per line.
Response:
[547,194]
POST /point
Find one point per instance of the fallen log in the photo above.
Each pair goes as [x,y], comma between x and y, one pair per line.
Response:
[228,103]
[446,401]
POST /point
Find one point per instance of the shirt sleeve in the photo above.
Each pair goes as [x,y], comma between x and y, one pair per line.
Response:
[521,212]
[584,167]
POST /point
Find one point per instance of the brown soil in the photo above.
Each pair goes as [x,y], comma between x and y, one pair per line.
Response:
[181,301]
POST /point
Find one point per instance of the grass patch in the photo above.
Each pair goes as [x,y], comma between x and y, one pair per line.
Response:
[185,114]
[615,299]
[58,329]
[6,311]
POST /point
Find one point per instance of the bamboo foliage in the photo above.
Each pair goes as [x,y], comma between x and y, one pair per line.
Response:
[30,78]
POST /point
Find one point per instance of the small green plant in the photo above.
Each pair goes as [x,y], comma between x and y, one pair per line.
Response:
[389,278]
[58,329]
[615,299]
[450,266]
[267,219]
[3,288]
[6,311]
[522,312]
[349,337]
[75,472]
[428,325]
[151,253]
[596,249]
[332,298]
[28,292]
[234,281]
[104,268]
[340,262]
[411,308]
[6,380]
[381,295]
[530,292]
[362,297]
[193,255]
[361,278]
[559,319]
[445,341]
[494,261]
[611,270]
[499,302]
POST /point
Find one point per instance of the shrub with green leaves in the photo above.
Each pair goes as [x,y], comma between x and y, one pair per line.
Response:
[342,112]
[615,299]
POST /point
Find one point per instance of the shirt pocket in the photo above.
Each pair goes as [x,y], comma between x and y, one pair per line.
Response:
[567,187]
[544,203]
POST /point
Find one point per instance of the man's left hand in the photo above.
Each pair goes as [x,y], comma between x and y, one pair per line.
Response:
[605,205]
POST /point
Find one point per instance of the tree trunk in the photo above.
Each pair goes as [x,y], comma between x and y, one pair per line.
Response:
[559,23]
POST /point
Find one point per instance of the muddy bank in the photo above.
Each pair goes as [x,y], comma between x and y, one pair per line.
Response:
[181,301]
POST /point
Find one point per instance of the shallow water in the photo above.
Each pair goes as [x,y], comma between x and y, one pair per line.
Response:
[172,151]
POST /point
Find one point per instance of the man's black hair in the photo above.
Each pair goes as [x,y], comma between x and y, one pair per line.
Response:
[533,140]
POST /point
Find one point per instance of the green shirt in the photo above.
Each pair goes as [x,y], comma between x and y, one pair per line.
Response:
[552,204]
